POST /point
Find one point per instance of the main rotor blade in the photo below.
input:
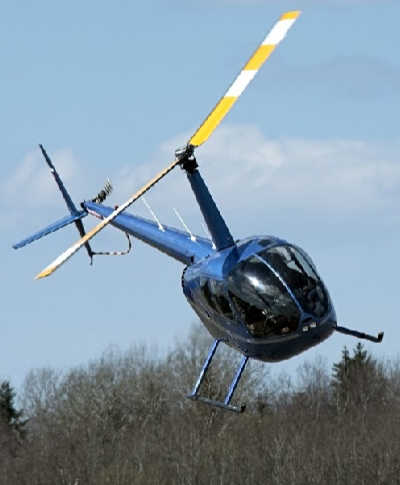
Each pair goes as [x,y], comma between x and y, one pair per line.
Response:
[75,247]
[258,58]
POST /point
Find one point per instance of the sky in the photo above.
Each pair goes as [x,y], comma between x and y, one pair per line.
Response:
[309,153]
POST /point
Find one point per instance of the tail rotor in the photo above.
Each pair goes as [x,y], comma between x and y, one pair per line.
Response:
[104,193]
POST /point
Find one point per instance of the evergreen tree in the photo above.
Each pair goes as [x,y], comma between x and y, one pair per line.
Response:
[357,380]
[10,417]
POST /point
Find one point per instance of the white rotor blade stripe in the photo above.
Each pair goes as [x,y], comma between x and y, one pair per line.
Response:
[240,83]
[279,30]
[75,247]
[258,58]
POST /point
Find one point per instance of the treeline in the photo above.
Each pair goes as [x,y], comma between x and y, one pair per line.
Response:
[123,419]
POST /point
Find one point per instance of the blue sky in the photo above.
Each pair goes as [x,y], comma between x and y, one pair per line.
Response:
[309,153]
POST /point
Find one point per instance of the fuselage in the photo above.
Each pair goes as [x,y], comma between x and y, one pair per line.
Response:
[262,295]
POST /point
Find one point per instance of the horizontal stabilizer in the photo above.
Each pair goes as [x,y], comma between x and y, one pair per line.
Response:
[51,228]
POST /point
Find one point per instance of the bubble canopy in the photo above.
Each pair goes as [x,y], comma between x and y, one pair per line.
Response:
[273,289]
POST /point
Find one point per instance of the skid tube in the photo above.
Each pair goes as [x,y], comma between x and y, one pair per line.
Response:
[220,404]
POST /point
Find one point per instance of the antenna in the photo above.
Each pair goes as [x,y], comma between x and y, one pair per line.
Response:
[192,237]
[160,226]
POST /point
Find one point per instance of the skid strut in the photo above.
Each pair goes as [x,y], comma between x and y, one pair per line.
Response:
[225,404]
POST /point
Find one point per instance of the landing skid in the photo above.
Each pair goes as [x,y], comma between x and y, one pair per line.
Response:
[220,404]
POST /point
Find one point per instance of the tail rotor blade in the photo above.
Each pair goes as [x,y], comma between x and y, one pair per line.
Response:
[75,247]
[261,54]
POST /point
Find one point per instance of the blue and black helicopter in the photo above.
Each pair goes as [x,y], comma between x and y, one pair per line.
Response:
[261,295]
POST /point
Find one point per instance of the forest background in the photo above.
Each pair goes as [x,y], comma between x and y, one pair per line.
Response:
[123,419]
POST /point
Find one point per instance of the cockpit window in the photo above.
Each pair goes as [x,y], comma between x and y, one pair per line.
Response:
[261,300]
[299,273]
[213,295]
[220,301]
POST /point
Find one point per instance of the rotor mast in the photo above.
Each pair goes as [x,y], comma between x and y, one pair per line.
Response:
[216,225]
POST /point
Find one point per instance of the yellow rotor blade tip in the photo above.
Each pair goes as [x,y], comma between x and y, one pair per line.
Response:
[293,14]
[43,274]
[260,55]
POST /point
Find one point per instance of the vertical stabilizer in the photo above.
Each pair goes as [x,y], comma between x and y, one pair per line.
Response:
[75,217]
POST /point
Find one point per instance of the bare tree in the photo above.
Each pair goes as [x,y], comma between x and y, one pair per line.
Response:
[122,419]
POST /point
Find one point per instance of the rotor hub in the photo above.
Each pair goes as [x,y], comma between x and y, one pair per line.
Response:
[186,158]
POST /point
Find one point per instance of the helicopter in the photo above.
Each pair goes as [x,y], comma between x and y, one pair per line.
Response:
[261,295]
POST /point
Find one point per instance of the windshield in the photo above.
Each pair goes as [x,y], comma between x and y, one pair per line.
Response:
[261,300]
[298,272]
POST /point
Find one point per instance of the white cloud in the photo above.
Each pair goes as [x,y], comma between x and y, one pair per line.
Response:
[32,183]
[246,170]
[246,173]
[31,186]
